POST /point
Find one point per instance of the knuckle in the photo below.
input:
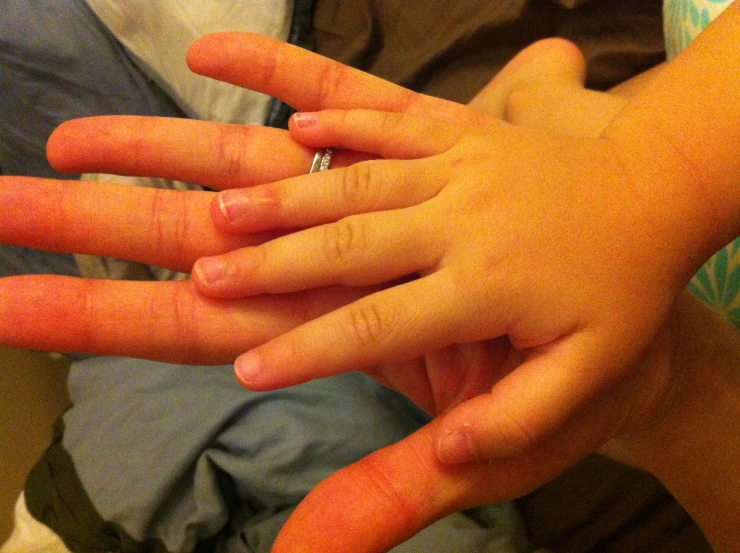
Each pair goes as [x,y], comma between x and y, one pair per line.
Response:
[524,100]
[407,101]
[379,485]
[333,74]
[393,122]
[170,224]
[356,185]
[514,434]
[231,147]
[343,241]
[368,324]
[185,317]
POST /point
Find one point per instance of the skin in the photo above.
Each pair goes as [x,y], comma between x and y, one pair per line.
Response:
[388,496]
[572,248]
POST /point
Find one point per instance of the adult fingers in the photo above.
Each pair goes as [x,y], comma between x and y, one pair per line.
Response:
[167,228]
[164,321]
[355,251]
[216,155]
[310,82]
[400,323]
[325,197]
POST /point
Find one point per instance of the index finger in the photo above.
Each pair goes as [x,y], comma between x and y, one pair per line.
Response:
[308,81]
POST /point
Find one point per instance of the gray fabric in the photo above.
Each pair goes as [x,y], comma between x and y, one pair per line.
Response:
[58,62]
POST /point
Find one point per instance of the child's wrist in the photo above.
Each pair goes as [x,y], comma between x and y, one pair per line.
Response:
[688,220]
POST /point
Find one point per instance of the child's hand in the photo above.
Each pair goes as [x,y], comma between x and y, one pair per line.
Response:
[561,244]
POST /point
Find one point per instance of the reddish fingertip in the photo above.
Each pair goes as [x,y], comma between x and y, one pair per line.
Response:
[201,54]
[58,147]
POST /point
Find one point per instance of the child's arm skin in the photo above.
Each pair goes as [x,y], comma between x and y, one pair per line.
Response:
[575,249]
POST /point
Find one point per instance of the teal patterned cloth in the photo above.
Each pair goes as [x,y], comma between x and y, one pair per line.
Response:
[683,20]
[718,282]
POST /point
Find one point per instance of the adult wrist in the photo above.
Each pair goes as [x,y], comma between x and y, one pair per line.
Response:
[690,442]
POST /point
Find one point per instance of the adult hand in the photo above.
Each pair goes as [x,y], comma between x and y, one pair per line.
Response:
[168,321]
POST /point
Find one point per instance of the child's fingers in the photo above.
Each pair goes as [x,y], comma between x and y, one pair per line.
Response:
[326,196]
[527,406]
[389,135]
[399,323]
[308,81]
[355,251]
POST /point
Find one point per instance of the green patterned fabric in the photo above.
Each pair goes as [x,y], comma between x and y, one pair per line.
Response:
[683,20]
[718,282]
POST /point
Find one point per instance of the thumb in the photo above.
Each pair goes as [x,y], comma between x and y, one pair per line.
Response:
[529,405]
[552,60]
[385,498]
[374,504]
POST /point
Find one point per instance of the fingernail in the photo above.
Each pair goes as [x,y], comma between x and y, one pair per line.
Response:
[232,204]
[210,269]
[305,119]
[237,204]
[247,368]
[454,449]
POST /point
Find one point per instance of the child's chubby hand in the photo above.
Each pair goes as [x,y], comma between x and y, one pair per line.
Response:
[557,250]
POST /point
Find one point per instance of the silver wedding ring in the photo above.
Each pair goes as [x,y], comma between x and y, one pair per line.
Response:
[321,160]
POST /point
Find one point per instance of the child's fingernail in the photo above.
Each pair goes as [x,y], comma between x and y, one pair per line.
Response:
[305,119]
[238,204]
[247,368]
[209,269]
[232,204]
[454,449]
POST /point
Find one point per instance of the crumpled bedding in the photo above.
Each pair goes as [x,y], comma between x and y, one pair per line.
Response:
[159,457]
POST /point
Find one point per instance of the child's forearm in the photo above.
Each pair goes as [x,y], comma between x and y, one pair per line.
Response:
[693,446]
[684,132]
